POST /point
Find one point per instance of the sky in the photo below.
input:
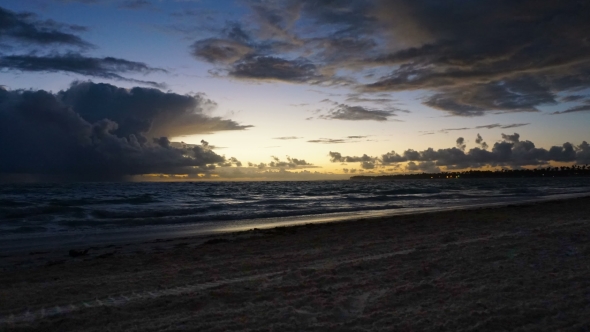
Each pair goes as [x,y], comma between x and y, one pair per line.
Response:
[290,90]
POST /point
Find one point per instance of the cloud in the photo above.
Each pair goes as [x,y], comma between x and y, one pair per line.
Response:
[337,157]
[490,126]
[36,38]
[496,125]
[145,110]
[277,163]
[572,98]
[511,138]
[426,167]
[98,131]
[287,138]
[328,141]
[348,139]
[26,28]
[216,50]
[482,144]
[461,144]
[108,67]
[485,57]
[576,109]
[510,152]
[357,113]
[274,68]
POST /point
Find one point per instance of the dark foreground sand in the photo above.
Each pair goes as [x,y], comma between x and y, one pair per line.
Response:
[524,268]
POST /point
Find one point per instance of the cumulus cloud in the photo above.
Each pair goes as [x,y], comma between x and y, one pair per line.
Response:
[461,144]
[482,144]
[278,163]
[510,152]
[98,131]
[146,110]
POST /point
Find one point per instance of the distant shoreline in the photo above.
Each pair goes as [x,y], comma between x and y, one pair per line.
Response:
[581,171]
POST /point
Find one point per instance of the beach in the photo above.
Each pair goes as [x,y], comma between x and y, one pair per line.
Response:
[517,267]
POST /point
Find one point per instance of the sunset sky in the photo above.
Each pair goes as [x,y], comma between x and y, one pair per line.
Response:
[283,89]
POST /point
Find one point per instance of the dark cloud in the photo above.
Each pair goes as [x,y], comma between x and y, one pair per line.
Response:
[425,166]
[328,141]
[356,113]
[511,138]
[576,109]
[357,98]
[490,126]
[27,28]
[216,50]
[108,67]
[496,125]
[454,129]
[337,157]
[518,95]
[511,152]
[461,144]
[476,58]
[273,68]
[277,163]
[72,134]
[287,137]
[487,56]
[482,144]
[147,111]
[571,98]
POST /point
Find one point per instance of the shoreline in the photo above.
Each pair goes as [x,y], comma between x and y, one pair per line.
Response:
[18,244]
[488,268]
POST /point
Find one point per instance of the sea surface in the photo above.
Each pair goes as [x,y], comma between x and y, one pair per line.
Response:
[87,210]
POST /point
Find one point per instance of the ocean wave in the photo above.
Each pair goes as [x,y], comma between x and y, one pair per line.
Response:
[51,207]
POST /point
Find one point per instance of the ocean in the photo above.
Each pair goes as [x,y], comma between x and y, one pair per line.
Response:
[36,214]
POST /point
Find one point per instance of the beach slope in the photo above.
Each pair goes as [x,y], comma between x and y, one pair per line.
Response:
[520,267]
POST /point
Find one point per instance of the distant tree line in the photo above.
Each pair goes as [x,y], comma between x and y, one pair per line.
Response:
[562,171]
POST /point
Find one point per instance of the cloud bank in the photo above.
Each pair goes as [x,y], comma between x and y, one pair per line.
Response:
[510,152]
[99,131]
[474,58]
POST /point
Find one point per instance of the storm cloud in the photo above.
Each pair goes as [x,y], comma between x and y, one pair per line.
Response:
[98,131]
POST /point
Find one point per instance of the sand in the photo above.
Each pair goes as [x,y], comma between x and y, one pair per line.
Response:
[523,267]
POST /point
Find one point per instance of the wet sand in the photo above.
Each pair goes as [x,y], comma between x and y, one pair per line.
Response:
[523,267]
